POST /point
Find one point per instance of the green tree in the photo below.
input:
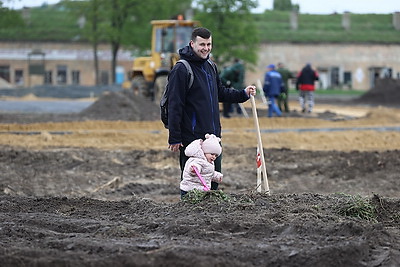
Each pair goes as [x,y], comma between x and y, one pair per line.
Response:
[113,22]
[283,5]
[94,33]
[119,11]
[234,33]
[93,15]
[123,23]
[127,22]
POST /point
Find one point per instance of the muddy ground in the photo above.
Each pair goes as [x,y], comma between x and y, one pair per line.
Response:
[99,188]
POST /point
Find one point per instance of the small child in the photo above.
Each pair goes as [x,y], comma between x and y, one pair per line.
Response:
[201,155]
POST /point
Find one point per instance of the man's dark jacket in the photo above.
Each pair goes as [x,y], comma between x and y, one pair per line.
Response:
[306,79]
[193,112]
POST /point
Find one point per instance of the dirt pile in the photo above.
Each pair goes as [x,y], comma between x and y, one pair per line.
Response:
[386,92]
[122,105]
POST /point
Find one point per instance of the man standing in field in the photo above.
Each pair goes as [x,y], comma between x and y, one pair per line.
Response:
[273,86]
[305,83]
[233,77]
[283,97]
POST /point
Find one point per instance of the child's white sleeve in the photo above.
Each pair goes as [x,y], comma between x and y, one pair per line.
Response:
[217,177]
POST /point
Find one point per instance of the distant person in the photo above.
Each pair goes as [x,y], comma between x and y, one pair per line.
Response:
[284,96]
[273,87]
[226,77]
[233,76]
[202,155]
[305,83]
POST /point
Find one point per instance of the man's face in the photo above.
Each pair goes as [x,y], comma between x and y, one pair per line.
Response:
[202,47]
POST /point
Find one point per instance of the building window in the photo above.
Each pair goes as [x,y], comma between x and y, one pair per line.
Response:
[62,74]
[48,77]
[347,82]
[335,77]
[76,77]
[5,73]
[19,77]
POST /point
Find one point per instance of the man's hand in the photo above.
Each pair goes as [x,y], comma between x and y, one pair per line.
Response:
[250,90]
[175,147]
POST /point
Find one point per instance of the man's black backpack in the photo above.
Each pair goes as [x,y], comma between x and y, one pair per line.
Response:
[164,97]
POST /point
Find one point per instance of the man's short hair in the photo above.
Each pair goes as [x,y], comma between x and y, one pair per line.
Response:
[202,32]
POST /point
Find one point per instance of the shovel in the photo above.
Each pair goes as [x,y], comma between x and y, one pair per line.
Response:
[205,187]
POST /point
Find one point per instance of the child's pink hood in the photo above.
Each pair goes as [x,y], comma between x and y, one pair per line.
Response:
[194,149]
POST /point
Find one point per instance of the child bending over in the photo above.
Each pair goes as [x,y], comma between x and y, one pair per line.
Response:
[201,156]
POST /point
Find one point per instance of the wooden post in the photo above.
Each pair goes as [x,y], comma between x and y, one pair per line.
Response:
[264,99]
[243,110]
[260,146]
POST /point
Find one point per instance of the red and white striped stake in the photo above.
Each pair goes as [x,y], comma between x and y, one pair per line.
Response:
[259,164]
[261,169]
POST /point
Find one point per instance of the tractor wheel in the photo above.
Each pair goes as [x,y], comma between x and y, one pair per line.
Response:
[139,86]
[159,87]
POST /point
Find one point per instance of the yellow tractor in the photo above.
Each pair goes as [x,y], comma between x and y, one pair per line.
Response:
[149,74]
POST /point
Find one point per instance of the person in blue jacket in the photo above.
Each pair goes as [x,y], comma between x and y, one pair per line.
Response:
[273,87]
[194,111]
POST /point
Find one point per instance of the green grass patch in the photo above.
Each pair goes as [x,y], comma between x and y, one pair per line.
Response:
[358,207]
[274,26]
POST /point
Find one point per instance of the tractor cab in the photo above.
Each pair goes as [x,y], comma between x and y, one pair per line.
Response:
[149,74]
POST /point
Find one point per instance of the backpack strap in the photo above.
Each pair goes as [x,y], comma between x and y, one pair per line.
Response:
[189,69]
[213,65]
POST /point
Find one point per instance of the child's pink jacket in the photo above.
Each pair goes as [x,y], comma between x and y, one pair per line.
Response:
[197,158]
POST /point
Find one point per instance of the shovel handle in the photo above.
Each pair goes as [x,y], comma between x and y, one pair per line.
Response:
[205,187]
